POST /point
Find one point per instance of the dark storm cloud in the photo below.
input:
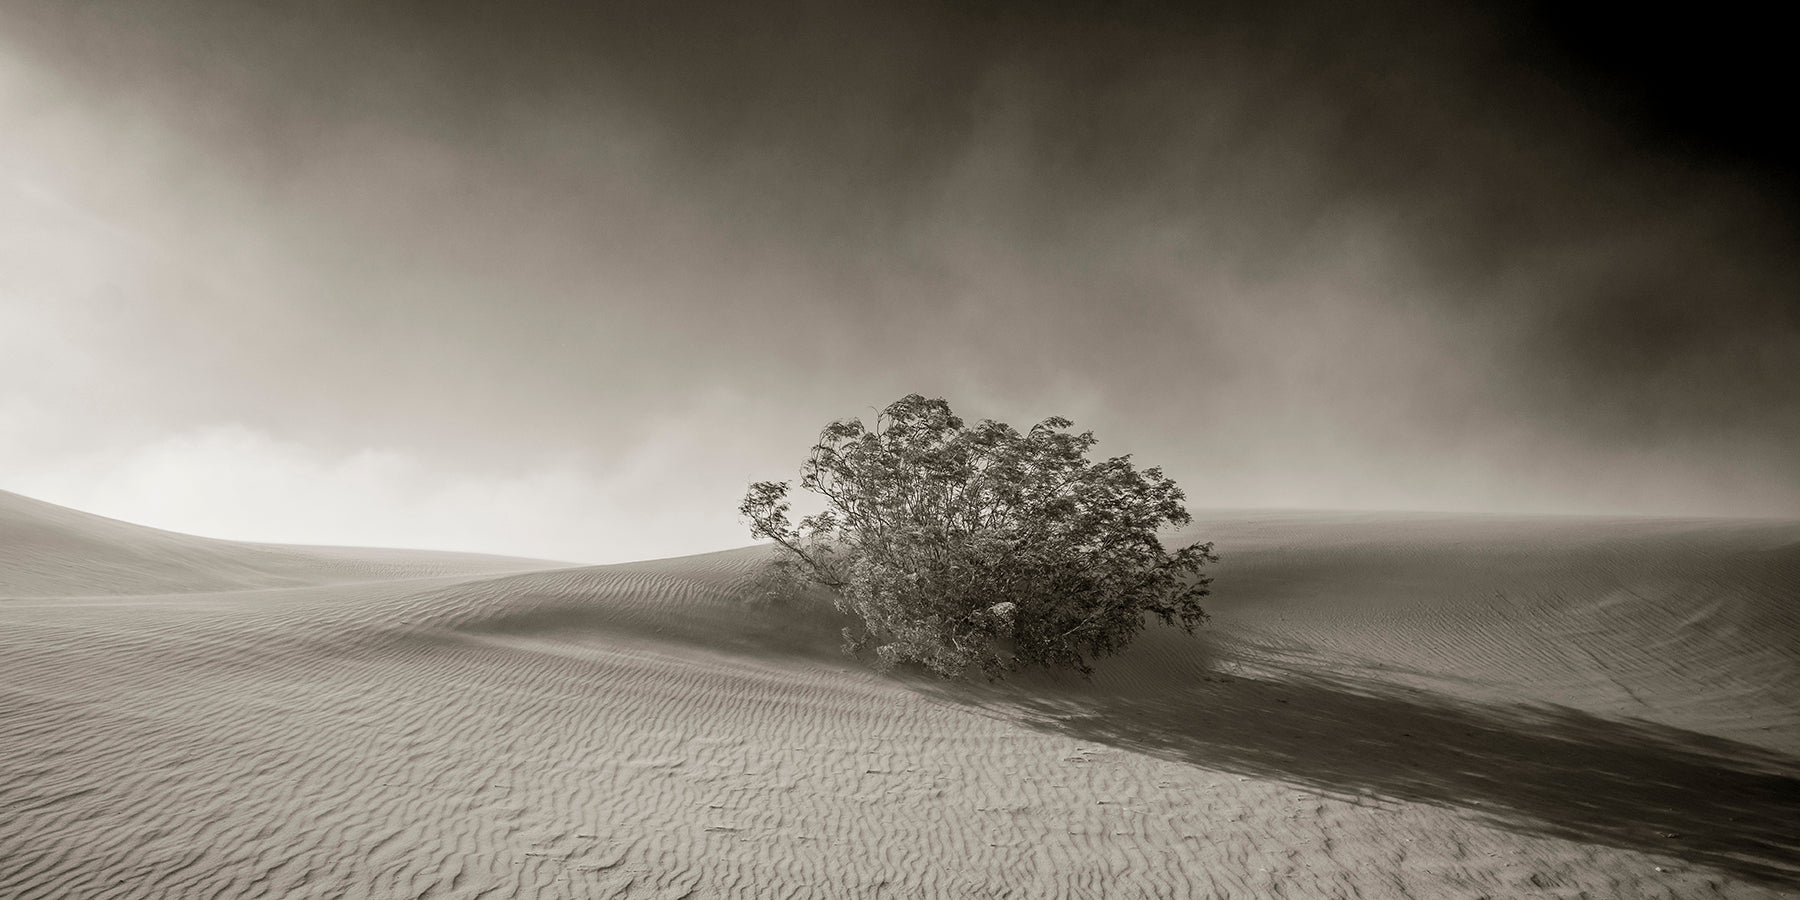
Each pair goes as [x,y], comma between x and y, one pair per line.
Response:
[1383,254]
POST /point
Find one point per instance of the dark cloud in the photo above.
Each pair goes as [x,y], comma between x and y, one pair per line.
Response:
[1448,254]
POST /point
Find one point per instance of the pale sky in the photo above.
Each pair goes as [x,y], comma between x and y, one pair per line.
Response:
[514,279]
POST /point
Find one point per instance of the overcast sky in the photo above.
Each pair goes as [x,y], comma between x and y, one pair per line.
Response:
[511,278]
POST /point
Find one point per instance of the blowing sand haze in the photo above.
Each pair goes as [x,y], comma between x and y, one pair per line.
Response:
[555,281]
[1385,706]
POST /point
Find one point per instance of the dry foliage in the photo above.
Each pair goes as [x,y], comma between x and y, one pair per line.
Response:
[980,546]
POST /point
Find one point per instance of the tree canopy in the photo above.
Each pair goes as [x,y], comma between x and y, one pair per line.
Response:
[957,546]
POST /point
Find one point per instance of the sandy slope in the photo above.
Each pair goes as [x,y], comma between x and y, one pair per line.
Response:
[49,550]
[1385,706]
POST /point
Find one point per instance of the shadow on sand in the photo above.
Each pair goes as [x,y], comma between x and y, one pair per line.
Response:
[1536,770]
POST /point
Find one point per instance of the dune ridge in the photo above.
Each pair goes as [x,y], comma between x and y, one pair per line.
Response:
[55,551]
[1383,706]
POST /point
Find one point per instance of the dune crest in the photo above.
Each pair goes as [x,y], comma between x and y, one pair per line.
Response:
[52,551]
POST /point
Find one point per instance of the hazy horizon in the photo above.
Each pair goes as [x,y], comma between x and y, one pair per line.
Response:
[559,284]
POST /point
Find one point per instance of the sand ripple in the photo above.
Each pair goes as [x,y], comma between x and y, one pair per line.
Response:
[644,731]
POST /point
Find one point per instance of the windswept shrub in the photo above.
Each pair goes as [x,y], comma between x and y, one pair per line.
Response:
[980,546]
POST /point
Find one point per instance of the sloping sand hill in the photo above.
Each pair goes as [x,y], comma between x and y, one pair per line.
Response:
[1384,706]
[51,550]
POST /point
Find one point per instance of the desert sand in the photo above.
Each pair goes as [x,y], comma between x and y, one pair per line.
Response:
[1383,706]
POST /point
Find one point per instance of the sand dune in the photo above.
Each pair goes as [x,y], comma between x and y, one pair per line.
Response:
[1384,706]
[49,550]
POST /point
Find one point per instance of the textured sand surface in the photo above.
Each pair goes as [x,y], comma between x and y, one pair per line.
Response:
[1384,706]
